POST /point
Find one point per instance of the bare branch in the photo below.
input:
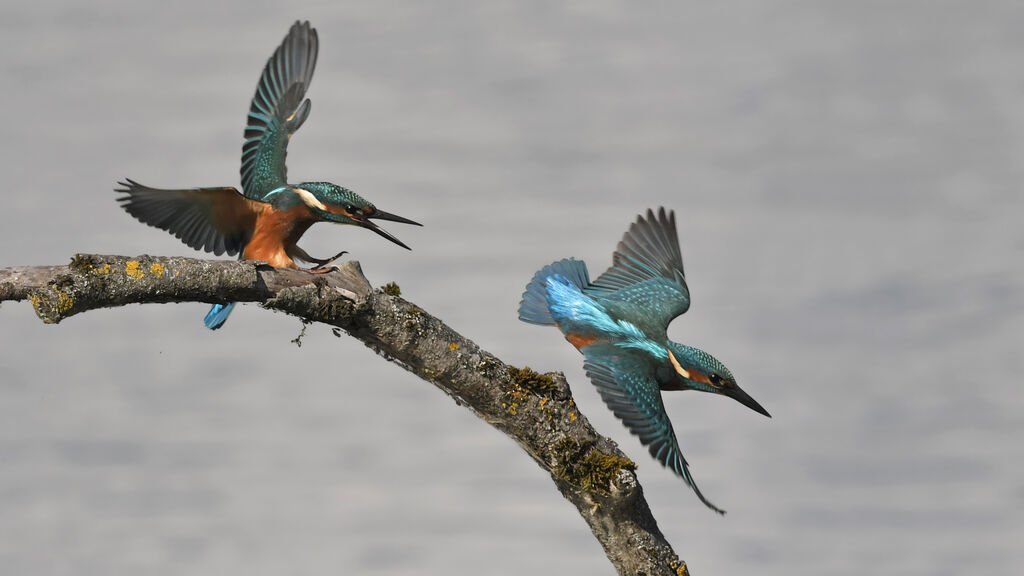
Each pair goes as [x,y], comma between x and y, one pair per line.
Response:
[536,410]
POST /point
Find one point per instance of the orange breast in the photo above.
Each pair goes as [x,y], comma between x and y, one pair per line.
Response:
[276,233]
[579,340]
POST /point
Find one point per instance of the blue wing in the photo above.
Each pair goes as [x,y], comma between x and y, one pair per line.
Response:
[626,382]
[278,109]
[647,271]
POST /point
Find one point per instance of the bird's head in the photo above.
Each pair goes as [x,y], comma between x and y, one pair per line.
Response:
[698,370]
[343,206]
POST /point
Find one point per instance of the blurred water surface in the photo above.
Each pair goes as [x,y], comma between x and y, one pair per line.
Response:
[846,178]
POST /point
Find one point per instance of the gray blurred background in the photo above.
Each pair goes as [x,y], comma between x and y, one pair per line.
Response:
[847,180]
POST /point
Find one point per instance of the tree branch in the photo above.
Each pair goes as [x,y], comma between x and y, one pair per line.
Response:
[536,410]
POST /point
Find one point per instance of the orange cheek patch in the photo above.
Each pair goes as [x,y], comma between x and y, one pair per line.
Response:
[700,377]
[579,341]
[338,210]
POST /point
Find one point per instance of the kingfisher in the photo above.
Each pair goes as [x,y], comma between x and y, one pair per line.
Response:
[265,221]
[620,324]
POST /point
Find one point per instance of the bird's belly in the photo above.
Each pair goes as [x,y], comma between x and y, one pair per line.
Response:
[276,231]
[267,252]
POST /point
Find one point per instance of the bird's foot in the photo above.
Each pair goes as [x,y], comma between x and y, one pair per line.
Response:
[321,265]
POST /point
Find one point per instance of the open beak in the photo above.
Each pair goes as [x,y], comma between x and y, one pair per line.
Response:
[742,397]
[379,215]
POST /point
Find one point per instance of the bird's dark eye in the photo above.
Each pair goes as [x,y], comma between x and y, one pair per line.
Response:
[350,208]
[716,380]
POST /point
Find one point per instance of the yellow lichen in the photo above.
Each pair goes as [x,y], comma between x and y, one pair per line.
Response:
[156,269]
[540,384]
[572,416]
[680,567]
[586,467]
[102,271]
[513,395]
[543,401]
[133,269]
[453,346]
[64,302]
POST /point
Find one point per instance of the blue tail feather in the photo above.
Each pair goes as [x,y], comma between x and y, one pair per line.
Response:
[218,315]
[534,307]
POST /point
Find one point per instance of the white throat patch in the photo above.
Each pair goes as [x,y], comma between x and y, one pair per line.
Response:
[675,364]
[309,199]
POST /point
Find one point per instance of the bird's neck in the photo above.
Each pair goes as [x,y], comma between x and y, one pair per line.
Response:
[687,357]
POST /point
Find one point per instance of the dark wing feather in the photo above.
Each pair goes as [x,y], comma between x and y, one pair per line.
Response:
[627,385]
[216,220]
[647,269]
[278,109]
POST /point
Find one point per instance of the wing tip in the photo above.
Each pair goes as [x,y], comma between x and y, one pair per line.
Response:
[681,468]
[649,247]
[662,216]
[127,186]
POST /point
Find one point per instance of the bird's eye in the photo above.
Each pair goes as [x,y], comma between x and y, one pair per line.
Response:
[350,208]
[716,380]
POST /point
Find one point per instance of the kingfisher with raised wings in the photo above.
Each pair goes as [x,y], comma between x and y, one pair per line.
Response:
[265,221]
[620,324]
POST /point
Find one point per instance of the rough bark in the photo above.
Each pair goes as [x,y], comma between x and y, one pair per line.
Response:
[536,410]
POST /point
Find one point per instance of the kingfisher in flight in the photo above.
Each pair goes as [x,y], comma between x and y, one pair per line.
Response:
[265,221]
[620,321]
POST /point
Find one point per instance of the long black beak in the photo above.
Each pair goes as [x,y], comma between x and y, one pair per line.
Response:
[742,397]
[380,215]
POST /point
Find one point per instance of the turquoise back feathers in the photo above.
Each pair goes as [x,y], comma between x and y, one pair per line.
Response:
[645,285]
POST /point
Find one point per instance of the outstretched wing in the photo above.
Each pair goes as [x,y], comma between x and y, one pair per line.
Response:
[627,385]
[278,109]
[647,270]
[216,220]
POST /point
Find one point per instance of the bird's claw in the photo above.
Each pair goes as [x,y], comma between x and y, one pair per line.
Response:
[321,265]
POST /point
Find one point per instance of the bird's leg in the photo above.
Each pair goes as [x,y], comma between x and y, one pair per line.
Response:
[321,263]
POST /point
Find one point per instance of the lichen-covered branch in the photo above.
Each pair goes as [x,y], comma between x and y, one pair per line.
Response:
[536,410]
